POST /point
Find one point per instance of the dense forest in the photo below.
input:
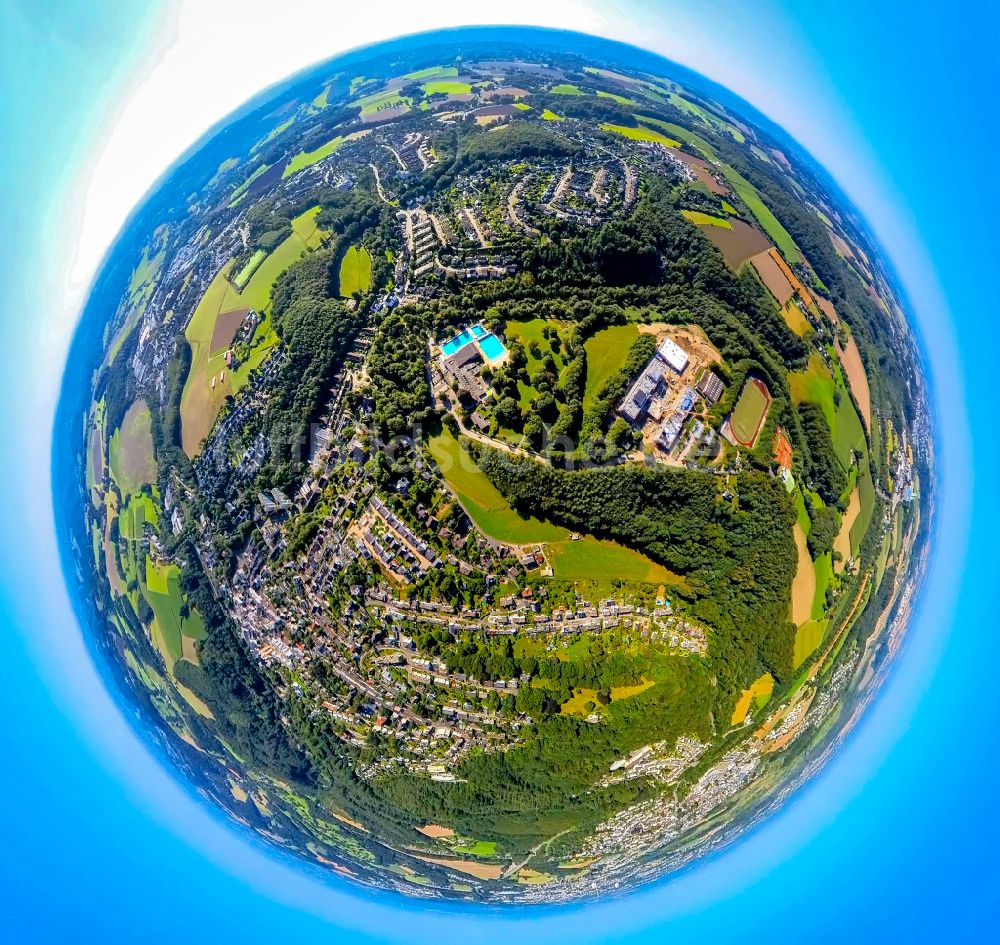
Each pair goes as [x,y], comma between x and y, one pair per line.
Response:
[737,557]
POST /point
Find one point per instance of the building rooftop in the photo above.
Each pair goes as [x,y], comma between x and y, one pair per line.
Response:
[674,355]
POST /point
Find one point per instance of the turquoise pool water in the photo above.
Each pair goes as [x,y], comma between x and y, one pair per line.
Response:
[456,343]
[474,333]
[492,347]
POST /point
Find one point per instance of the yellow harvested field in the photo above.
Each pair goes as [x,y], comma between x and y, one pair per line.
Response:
[436,831]
[785,739]
[850,360]
[579,864]
[804,583]
[344,819]
[760,689]
[807,638]
[795,319]
[192,700]
[469,867]
[528,877]
[842,543]
[188,650]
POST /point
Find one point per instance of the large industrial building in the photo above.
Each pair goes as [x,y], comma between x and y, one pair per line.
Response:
[673,355]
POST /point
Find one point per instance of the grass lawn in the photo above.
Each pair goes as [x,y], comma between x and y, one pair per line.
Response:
[824,573]
[640,134]
[527,333]
[130,454]
[447,87]
[146,271]
[161,586]
[576,704]
[706,116]
[815,385]
[848,433]
[478,848]
[138,510]
[242,189]
[801,514]
[305,159]
[768,221]
[606,353]
[531,331]
[757,695]
[433,72]
[550,115]
[490,511]
[749,412]
[866,489]
[380,101]
[705,219]
[566,89]
[882,561]
[620,99]
[270,136]
[252,263]
[682,134]
[807,638]
[528,877]
[355,271]
[591,559]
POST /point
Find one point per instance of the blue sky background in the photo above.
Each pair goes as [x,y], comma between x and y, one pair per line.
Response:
[896,840]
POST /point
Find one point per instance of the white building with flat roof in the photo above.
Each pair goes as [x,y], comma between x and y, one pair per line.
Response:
[674,355]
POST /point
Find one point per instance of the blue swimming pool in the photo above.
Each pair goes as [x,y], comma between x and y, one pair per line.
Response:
[457,343]
[492,348]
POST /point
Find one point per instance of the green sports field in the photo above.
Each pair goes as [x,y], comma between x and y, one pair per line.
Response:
[748,415]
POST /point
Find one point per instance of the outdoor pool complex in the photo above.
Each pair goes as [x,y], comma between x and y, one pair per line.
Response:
[492,348]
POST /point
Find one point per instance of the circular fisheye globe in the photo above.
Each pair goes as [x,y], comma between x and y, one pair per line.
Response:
[503,470]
